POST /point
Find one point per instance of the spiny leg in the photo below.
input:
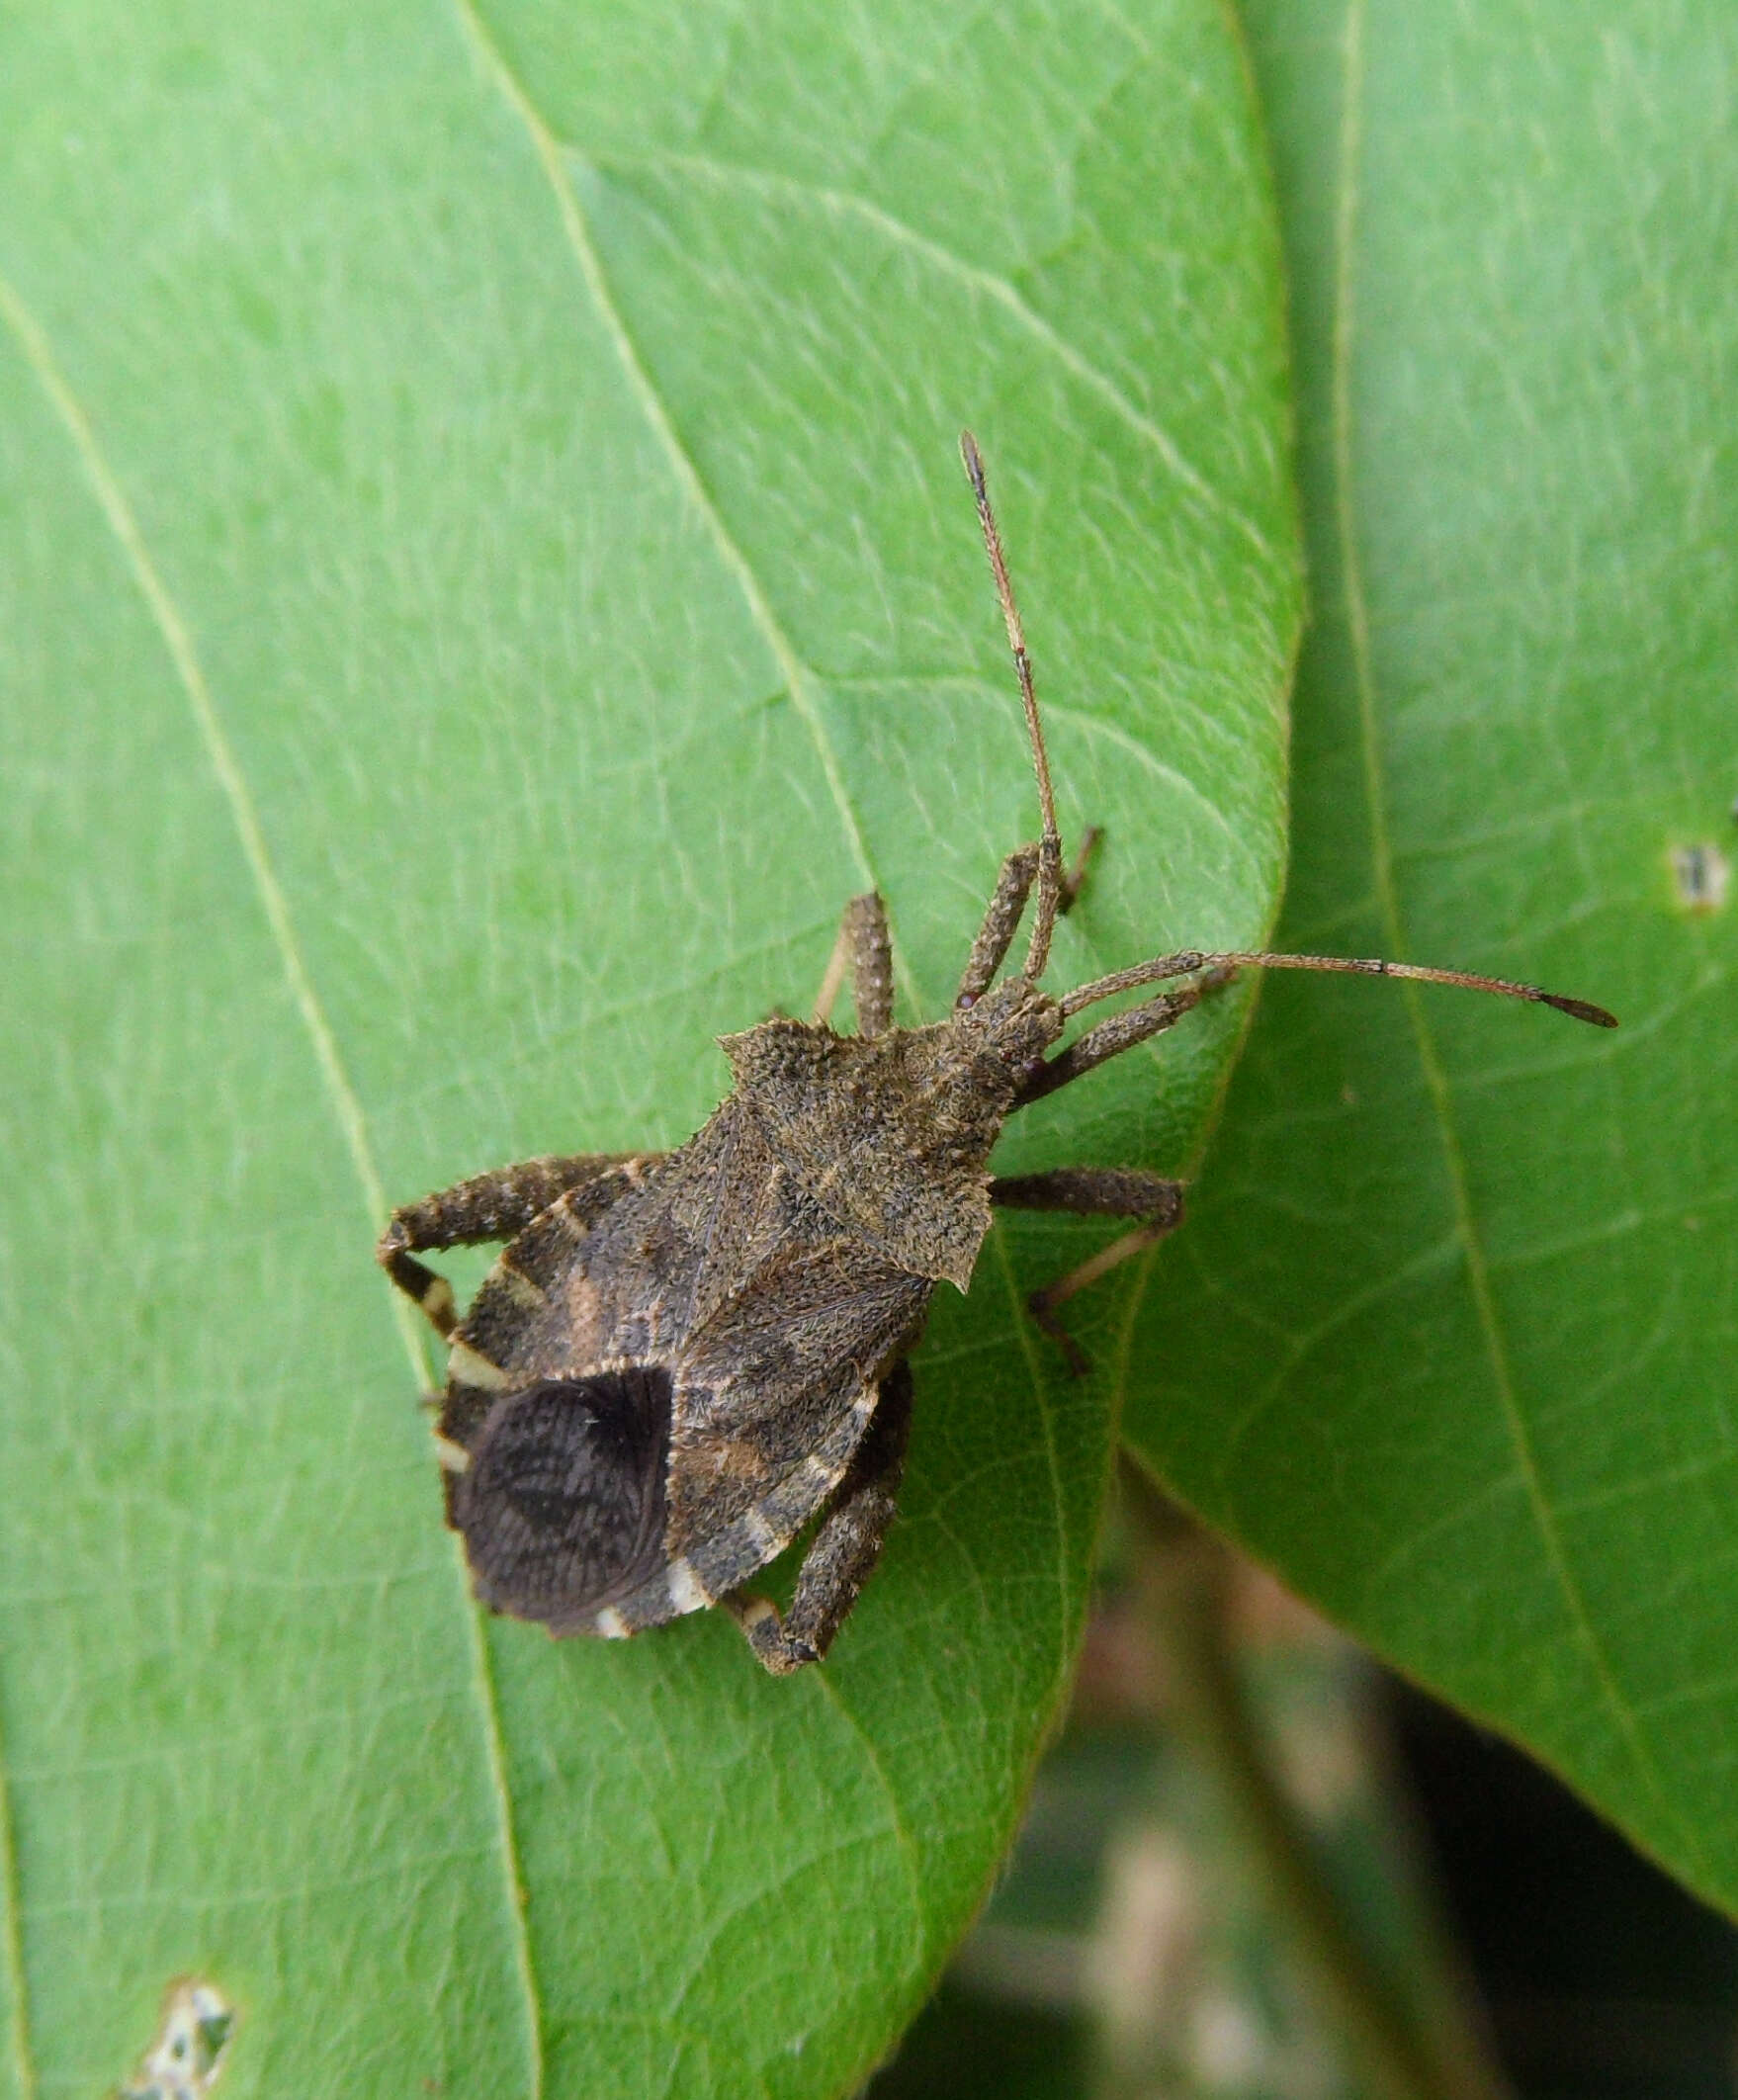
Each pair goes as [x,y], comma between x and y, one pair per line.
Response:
[864,947]
[1120,1032]
[1092,1191]
[488,1207]
[843,1551]
[1013,885]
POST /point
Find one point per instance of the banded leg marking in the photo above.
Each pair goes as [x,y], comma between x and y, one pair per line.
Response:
[488,1207]
[432,1295]
[714,1566]
[484,1208]
[843,1551]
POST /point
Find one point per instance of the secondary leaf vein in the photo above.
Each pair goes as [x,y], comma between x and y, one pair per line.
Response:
[1046,1417]
[796,674]
[904,1841]
[986,283]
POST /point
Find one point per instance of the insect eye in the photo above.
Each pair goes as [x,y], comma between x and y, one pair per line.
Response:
[563,1505]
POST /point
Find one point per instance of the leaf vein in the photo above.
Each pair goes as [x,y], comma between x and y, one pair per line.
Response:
[1041,1392]
[987,283]
[1357,619]
[178,643]
[797,676]
[12,1942]
[904,1843]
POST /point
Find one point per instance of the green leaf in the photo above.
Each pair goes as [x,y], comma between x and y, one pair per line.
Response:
[1450,1337]
[485,577]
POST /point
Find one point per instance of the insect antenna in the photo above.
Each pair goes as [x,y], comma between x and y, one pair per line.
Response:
[1049,878]
[1188,962]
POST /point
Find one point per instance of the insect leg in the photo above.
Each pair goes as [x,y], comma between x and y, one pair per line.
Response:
[1000,923]
[844,1550]
[487,1206]
[1002,920]
[1092,1191]
[864,947]
[1109,1038]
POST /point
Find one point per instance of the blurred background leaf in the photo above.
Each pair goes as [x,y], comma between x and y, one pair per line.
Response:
[485,577]
[1148,1938]
[1450,1339]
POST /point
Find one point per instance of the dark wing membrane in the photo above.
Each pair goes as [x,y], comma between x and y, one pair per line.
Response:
[561,1506]
[729,1550]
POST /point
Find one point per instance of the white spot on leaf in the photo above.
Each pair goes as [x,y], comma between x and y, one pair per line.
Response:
[1702,875]
[186,2060]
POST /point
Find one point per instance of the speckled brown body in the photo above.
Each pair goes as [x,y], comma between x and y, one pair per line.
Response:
[777,1268]
[683,1358]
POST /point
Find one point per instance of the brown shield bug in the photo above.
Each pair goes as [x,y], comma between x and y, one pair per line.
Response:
[683,1358]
